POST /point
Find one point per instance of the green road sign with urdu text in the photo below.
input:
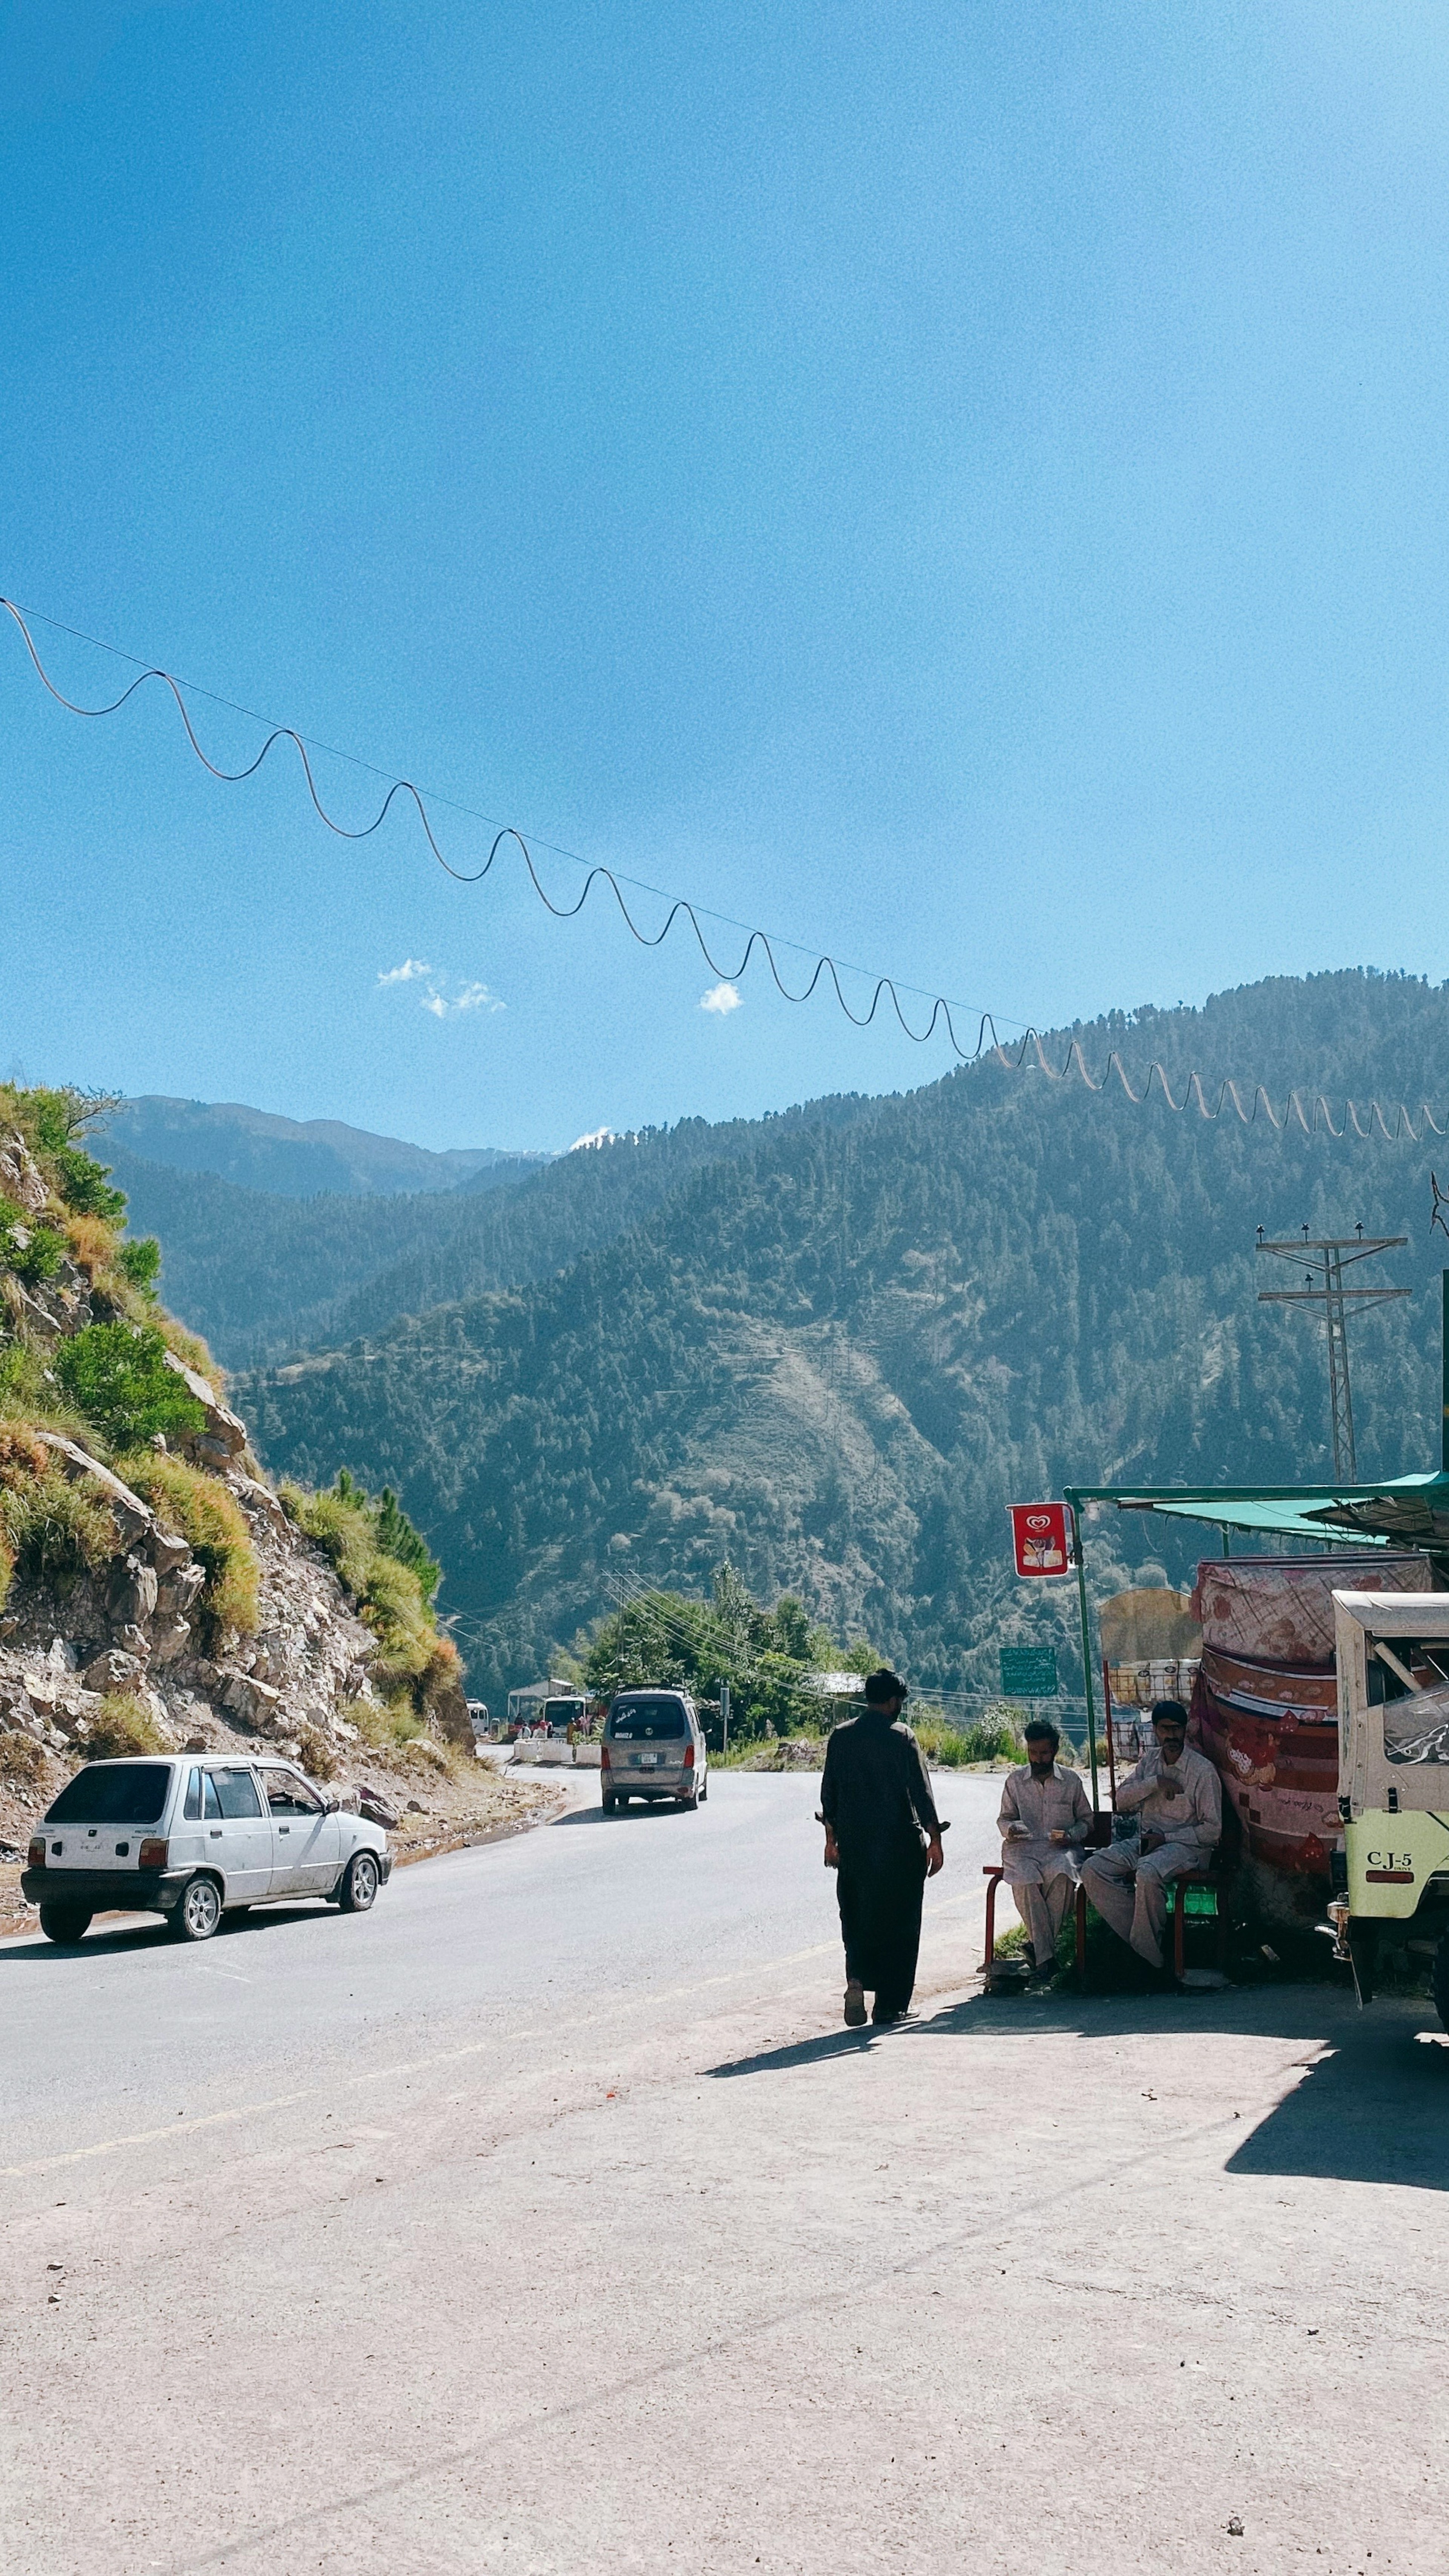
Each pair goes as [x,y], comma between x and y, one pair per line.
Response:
[1029,1672]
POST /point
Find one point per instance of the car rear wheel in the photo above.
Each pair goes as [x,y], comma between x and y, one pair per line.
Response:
[359,1883]
[606,1801]
[1441,1979]
[198,1911]
[65,1922]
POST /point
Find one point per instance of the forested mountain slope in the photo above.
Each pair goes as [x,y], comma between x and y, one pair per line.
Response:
[834,1357]
[266,1274]
[578,1204]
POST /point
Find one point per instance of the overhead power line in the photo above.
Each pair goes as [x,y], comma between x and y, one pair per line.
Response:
[1307,1110]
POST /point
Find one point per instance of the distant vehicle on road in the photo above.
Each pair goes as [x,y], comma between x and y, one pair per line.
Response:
[546,1708]
[653,1748]
[478,1716]
[193,1839]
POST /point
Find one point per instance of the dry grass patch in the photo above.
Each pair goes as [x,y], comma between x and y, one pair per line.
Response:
[213,1523]
[22,1761]
[122,1725]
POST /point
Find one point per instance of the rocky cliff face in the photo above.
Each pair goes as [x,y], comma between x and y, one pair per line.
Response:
[300,1683]
[158,1593]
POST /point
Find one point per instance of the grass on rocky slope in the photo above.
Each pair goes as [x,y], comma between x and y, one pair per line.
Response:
[211,1520]
[106,1386]
[384,1567]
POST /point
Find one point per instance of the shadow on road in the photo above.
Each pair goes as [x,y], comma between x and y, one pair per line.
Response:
[619,1816]
[1372,2104]
[119,1939]
[806,2052]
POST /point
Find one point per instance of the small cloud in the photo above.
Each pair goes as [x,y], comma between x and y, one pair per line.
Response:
[600,1136]
[721,999]
[446,997]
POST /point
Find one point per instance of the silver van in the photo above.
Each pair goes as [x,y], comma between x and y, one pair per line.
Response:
[193,1839]
[653,1748]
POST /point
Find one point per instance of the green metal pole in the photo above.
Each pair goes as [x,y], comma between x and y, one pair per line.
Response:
[1086,1648]
[1444,1379]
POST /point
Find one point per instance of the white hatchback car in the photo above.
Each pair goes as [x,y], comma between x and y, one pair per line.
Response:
[193,1837]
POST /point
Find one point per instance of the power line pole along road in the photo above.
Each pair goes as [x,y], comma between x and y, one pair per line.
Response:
[1335,1253]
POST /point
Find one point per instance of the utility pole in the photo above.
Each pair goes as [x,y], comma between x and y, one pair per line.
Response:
[1332,1255]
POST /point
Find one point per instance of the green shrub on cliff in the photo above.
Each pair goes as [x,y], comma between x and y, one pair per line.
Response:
[385,1565]
[116,1375]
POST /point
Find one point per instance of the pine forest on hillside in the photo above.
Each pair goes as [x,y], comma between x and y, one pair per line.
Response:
[830,1353]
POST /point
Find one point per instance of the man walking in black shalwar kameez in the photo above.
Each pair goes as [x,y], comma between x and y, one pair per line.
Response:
[883,1835]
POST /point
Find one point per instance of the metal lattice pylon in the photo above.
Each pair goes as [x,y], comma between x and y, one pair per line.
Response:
[1334,1254]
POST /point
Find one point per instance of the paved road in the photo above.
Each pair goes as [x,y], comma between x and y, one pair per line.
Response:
[593,1915]
[546,2220]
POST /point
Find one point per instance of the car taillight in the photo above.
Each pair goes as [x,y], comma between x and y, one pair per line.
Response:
[153,1853]
[37,1852]
[689,1755]
[604,1762]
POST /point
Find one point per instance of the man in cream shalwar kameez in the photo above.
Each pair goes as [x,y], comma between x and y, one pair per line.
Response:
[1044,1818]
[1178,1797]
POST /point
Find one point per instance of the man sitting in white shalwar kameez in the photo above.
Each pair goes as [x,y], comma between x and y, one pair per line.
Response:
[1044,1819]
[1178,1798]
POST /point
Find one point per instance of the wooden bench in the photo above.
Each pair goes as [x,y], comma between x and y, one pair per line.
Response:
[993,1872]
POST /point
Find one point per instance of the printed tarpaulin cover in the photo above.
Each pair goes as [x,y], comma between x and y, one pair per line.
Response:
[1279,1609]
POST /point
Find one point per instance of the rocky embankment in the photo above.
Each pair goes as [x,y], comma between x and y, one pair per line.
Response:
[119,1633]
[300,1685]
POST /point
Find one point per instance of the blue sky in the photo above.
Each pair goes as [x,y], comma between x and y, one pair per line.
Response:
[960,484]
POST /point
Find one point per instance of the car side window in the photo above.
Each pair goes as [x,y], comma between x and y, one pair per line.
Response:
[213,1802]
[289,1795]
[192,1809]
[236,1793]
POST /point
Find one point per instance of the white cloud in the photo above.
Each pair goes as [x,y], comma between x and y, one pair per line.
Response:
[721,999]
[446,996]
[600,1136]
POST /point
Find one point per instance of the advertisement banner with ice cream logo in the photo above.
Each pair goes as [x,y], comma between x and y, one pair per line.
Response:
[1039,1534]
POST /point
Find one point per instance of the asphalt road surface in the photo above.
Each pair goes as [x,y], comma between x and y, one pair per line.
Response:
[546,2219]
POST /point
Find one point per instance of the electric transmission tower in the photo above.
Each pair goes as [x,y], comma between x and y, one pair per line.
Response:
[1324,1287]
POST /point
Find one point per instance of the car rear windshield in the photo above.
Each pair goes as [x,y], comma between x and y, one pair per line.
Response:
[113,1793]
[638,1720]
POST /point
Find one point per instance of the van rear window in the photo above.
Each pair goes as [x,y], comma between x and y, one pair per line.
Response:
[640,1720]
[113,1793]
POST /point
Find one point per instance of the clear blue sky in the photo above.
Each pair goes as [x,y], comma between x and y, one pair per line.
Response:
[965,484]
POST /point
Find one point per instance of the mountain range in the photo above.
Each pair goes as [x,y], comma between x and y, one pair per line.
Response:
[295,1158]
[830,1346]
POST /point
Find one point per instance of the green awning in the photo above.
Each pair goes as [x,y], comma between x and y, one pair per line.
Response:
[1269,1520]
[1405,1511]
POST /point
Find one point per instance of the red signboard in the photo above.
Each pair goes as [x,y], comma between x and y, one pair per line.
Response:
[1039,1532]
